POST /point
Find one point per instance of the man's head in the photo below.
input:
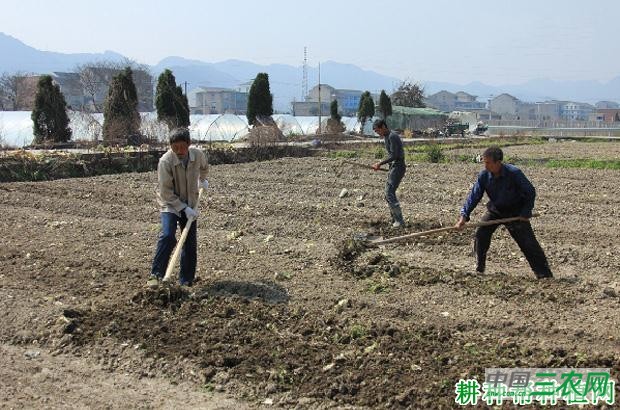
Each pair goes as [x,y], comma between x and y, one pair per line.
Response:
[380,127]
[179,141]
[493,157]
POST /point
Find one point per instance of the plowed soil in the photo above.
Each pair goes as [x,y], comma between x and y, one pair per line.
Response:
[283,312]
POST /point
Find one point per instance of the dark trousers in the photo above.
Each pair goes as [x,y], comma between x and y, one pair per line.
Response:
[166,243]
[396,174]
[522,233]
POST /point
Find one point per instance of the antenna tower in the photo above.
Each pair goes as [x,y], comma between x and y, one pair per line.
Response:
[304,81]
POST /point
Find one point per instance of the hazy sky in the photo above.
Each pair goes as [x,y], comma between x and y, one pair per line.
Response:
[492,41]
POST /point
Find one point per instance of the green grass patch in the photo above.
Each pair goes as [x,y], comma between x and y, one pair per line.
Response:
[584,163]
[434,153]
[357,331]
[380,153]
[415,157]
[377,287]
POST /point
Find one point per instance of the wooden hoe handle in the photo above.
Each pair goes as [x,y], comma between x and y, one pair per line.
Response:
[449,228]
[357,164]
[174,259]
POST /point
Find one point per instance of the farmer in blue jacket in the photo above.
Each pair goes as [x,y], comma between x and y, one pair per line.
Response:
[510,194]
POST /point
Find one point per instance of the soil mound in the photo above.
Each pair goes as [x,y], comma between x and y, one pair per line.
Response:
[266,291]
[166,296]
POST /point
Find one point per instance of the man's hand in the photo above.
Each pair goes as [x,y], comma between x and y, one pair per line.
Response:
[190,213]
[376,166]
[204,184]
[460,223]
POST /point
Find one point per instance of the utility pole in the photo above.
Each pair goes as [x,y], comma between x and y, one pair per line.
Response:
[319,130]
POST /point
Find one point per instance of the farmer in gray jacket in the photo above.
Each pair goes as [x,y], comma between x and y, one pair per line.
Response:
[181,172]
[396,159]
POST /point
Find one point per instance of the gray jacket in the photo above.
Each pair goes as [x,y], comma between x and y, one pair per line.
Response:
[178,186]
[394,148]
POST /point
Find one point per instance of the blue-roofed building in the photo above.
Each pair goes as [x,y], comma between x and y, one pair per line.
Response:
[348,101]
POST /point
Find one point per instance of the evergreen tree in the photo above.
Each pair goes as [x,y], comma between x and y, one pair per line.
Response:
[49,115]
[171,103]
[183,107]
[260,99]
[385,105]
[333,108]
[365,110]
[334,125]
[120,111]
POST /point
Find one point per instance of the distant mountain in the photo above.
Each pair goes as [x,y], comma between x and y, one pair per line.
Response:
[196,73]
[285,80]
[17,56]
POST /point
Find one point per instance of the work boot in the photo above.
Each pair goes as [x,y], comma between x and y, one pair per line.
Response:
[397,215]
[544,275]
[153,281]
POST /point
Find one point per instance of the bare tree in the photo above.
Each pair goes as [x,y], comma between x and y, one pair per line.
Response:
[85,127]
[409,94]
[95,78]
[92,80]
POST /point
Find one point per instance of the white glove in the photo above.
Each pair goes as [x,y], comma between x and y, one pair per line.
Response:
[190,213]
[204,184]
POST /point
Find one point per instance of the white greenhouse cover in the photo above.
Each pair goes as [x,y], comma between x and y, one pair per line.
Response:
[16,126]
[218,127]
[288,124]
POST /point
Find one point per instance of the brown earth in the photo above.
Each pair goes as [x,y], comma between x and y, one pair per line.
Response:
[279,315]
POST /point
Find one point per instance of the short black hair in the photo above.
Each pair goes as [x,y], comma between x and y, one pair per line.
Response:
[379,124]
[494,153]
[179,134]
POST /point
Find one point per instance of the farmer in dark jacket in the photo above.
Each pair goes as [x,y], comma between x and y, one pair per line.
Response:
[510,194]
[396,159]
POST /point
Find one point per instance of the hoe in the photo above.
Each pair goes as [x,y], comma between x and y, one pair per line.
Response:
[177,250]
[404,238]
